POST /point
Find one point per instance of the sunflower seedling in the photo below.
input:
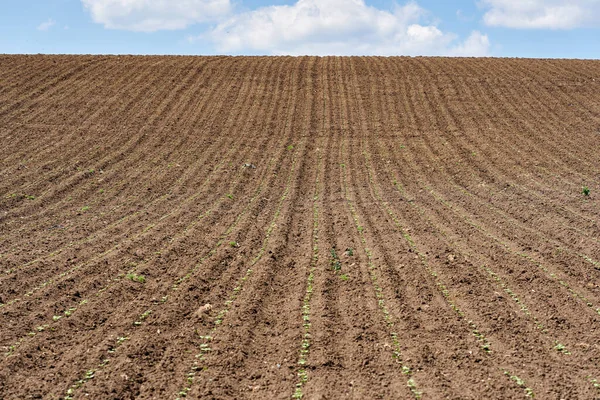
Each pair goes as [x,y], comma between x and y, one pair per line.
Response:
[561,348]
[136,278]
[335,260]
[585,191]
[142,318]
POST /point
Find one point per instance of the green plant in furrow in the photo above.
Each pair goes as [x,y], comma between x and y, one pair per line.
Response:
[484,343]
[585,191]
[142,317]
[217,322]
[397,352]
[304,349]
[136,278]
[594,382]
[89,375]
[528,391]
[596,264]
[335,261]
[120,341]
[20,196]
[507,247]
[305,346]
[561,348]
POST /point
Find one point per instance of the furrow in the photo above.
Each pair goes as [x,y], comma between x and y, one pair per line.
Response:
[276,164]
[60,141]
[143,233]
[391,321]
[252,298]
[44,86]
[116,190]
[411,177]
[349,336]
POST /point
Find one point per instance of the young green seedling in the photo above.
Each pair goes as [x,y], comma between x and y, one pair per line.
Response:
[585,191]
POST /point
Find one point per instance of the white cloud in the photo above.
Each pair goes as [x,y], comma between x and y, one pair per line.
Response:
[542,14]
[47,25]
[476,44]
[339,27]
[154,15]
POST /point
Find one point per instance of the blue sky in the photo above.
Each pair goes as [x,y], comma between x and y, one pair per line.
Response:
[504,28]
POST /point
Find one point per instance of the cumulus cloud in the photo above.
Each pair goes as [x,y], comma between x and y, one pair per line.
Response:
[476,44]
[339,27]
[542,14]
[154,15]
[46,25]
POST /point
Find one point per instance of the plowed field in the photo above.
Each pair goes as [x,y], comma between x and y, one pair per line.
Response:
[277,227]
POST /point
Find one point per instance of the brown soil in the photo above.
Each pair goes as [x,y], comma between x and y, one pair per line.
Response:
[277,227]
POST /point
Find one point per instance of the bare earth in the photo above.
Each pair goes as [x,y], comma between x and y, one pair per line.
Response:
[269,228]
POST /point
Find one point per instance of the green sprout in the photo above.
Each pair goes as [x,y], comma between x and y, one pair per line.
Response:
[561,348]
[585,191]
[335,260]
[136,278]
